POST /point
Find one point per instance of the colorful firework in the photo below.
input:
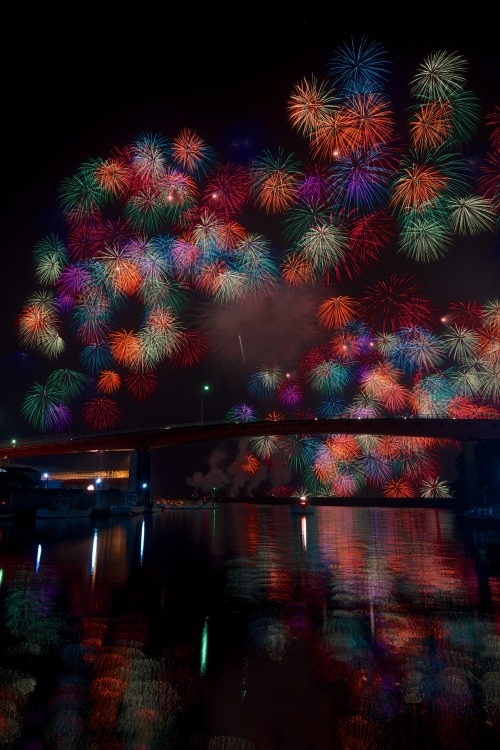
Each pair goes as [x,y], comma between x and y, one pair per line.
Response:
[163,225]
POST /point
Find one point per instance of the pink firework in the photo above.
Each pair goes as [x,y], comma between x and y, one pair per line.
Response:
[74,280]
[290,392]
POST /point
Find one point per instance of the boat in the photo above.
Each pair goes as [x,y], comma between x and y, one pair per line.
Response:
[62,509]
[301,507]
[182,504]
[151,507]
[126,509]
[7,512]
[487,516]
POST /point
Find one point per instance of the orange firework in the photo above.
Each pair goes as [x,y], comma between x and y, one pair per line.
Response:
[108,381]
[274,416]
[394,397]
[177,189]
[121,271]
[371,117]
[274,182]
[231,233]
[251,464]
[342,447]
[431,125]
[34,322]
[208,281]
[296,271]
[191,152]
[401,487]
[417,186]
[336,312]
[309,103]
[125,347]
[113,175]
[335,136]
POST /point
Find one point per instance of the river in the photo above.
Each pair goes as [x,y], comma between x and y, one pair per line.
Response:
[248,628]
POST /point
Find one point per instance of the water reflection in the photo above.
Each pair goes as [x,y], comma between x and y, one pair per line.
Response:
[247,627]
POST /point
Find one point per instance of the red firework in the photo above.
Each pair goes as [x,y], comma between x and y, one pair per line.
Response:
[101,413]
[193,347]
[141,385]
[489,178]
[397,303]
[84,237]
[368,235]
[227,190]
[466,314]
[493,122]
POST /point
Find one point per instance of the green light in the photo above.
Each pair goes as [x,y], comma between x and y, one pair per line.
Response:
[204,647]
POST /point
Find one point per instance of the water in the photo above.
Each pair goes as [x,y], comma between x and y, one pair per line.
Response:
[248,628]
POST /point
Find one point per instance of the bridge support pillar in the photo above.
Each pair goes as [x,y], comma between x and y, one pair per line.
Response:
[139,474]
[472,484]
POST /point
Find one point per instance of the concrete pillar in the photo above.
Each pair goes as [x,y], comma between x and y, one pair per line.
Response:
[139,474]
[472,484]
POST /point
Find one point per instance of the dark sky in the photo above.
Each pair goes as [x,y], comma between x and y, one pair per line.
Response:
[75,88]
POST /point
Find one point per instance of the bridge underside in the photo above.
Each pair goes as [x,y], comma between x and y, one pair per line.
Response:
[141,441]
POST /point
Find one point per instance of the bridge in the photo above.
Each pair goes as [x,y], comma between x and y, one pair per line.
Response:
[141,441]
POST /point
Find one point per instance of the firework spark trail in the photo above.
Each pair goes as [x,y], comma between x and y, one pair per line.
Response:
[241,347]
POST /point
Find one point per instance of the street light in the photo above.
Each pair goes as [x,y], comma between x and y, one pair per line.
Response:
[46,477]
[204,388]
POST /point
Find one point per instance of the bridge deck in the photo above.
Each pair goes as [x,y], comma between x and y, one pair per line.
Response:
[165,436]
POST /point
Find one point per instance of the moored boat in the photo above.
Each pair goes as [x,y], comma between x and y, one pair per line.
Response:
[7,512]
[122,509]
[185,504]
[62,509]
[126,509]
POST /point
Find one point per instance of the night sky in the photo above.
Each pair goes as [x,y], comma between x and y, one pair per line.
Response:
[75,91]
